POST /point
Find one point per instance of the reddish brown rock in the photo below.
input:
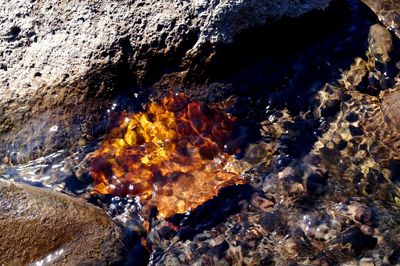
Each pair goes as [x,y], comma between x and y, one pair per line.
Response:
[36,225]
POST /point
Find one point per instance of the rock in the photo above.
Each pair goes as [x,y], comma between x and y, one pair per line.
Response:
[367,262]
[378,68]
[273,221]
[380,43]
[36,225]
[58,54]
[357,240]
[388,11]
[391,107]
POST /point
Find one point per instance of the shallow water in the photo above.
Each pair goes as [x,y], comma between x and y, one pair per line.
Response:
[287,113]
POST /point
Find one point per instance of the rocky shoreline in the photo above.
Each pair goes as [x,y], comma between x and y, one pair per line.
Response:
[61,67]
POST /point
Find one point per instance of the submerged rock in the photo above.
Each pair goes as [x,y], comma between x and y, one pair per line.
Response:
[380,43]
[36,225]
[388,11]
[391,107]
[337,204]
[58,54]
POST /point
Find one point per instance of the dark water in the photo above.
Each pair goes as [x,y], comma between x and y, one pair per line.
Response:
[271,71]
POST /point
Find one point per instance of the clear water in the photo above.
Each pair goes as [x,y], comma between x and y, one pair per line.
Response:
[275,83]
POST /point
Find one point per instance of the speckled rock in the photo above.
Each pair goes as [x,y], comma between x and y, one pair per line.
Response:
[388,11]
[37,225]
[54,53]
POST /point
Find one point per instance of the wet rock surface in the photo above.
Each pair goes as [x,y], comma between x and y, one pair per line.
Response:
[37,225]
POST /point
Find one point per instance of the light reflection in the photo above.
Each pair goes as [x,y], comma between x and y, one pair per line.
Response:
[48,171]
[53,128]
[170,156]
[51,258]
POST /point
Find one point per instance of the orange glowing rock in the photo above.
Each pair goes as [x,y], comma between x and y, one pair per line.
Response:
[169,157]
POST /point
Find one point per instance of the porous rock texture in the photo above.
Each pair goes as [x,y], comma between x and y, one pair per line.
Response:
[62,54]
[40,225]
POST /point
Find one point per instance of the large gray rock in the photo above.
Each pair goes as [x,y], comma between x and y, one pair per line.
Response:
[57,53]
[38,225]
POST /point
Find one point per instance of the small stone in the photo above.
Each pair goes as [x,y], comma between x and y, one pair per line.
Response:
[364,214]
[3,66]
[316,184]
[380,43]
[219,250]
[273,221]
[261,202]
[358,240]
[367,262]
[268,260]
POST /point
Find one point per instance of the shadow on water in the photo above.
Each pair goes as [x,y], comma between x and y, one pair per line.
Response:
[213,211]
